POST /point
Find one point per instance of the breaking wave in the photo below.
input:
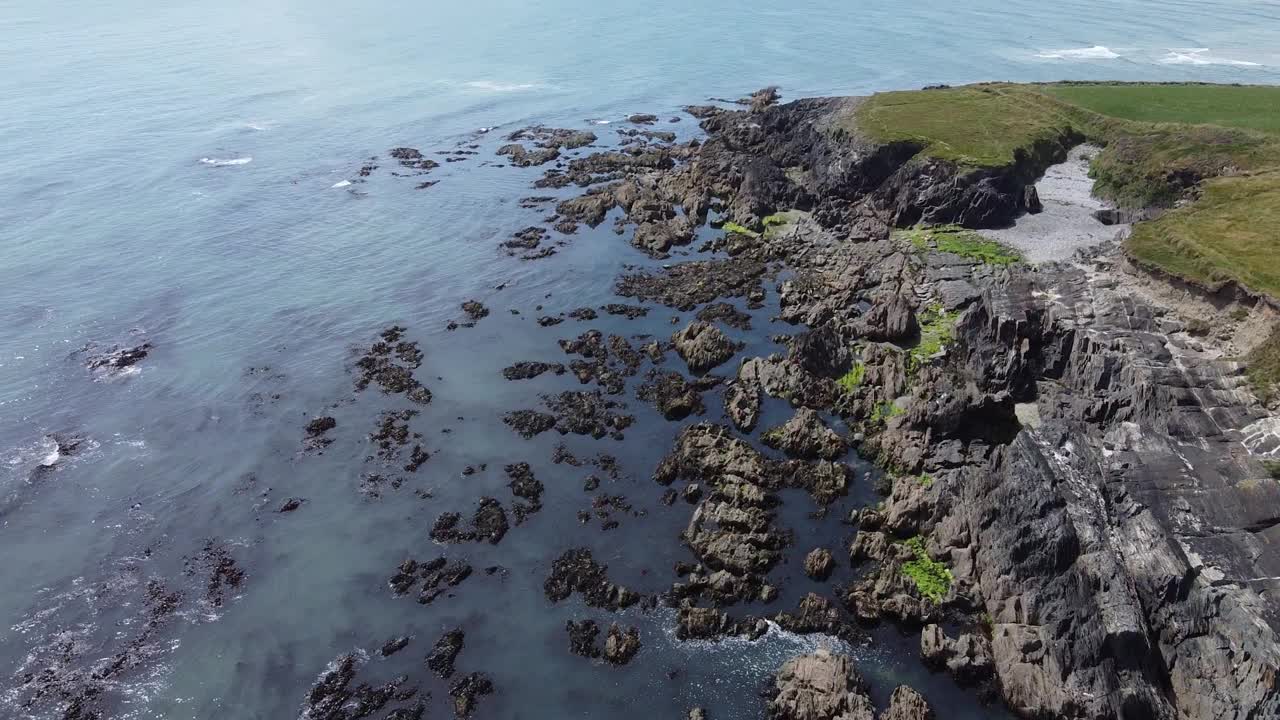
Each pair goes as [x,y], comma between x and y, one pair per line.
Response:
[1097,52]
[1201,56]
[220,162]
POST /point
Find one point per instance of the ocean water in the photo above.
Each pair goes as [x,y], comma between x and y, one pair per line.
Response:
[175,173]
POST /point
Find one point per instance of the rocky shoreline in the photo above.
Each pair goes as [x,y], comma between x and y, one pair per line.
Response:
[1071,488]
[1076,513]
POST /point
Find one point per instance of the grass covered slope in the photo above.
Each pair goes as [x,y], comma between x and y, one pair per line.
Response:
[977,126]
[1163,145]
[1231,233]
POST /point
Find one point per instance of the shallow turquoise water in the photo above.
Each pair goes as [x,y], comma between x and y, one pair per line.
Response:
[112,228]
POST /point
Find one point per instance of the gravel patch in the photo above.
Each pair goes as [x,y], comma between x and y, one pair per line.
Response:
[1067,223]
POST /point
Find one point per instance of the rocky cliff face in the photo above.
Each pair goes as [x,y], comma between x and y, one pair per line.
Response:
[1122,547]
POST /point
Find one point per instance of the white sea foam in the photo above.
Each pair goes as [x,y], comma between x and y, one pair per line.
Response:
[220,162]
[493,86]
[601,122]
[1201,56]
[340,184]
[1097,52]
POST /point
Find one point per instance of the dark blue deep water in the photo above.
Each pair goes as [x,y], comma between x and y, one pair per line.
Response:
[168,173]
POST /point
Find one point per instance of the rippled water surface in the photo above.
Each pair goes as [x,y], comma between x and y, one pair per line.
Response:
[173,173]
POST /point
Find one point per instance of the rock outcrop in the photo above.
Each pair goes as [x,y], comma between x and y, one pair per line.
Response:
[821,686]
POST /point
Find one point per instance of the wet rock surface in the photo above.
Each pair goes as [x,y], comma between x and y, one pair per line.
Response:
[117,358]
[432,578]
[806,436]
[389,363]
[576,571]
[488,524]
[703,346]
[621,645]
[339,695]
[445,652]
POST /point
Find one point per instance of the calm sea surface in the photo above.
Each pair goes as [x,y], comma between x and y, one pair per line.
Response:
[167,174]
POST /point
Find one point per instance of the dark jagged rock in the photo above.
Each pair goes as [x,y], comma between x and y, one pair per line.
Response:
[818,564]
[604,361]
[621,645]
[316,432]
[642,119]
[118,358]
[529,422]
[576,571]
[389,363]
[725,313]
[394,645]
[702,112]
[582,638]
[523,157]
[815,614]
[642,135]
[488,523]
[216,562]
[821,686]
[907,704]
[698,623]
[291,504]
[806,436]
[529,370]
[467,691]
[436,577]
[475,310]
[586,413]
[967,658]
[443,654]
[686,285]
[526,487]
[703,346]
[742,405]
[548,137]
[526,239]
[334,697]
[630,312]
[674,396]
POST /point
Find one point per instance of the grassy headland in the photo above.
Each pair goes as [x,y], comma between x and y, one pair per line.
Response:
[1213,149]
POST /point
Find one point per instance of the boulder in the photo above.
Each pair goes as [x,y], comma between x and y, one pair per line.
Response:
[818,564]
[821,686]
[703,346]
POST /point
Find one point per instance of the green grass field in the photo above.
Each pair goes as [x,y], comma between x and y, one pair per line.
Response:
[1235,106]
[1163,143]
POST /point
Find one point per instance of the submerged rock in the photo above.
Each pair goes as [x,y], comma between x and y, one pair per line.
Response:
[582,638]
